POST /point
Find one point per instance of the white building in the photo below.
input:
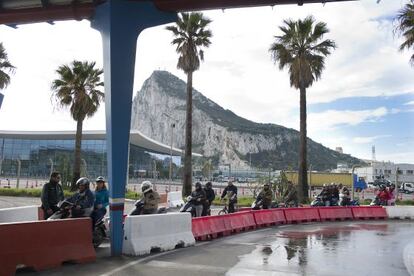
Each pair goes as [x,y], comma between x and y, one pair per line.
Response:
[388,170]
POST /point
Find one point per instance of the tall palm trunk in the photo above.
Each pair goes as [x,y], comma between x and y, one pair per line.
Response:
[188,137]
[78,144]
[302,175]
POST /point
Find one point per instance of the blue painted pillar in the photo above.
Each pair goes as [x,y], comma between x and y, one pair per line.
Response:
[120,22]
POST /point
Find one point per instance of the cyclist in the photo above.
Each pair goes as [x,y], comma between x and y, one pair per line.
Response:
[231,192]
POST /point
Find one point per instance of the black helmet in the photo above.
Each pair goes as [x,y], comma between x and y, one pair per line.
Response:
[209,185]
[83,181]
[198,185]
[100,179]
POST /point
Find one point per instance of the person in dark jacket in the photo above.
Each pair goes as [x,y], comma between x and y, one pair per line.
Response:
[198,199]
[101,200]
[231,192]
[266,196]
[210,196]
[290,196]
[83,199]
[52,193]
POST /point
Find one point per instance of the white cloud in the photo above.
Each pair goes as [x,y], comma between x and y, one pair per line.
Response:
[334,118]
[368,139]
[237,73]
[409,103]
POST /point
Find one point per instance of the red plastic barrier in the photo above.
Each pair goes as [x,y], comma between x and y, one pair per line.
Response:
[297,215]
[239,221]
[210,227]
[335,213]
[201,228]
[369,212]
[45,244]
[218,227]
[269,217]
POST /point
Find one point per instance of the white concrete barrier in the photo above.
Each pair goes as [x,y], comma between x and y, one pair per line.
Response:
[174,199]
[19,214]
[400,212]
[161,232]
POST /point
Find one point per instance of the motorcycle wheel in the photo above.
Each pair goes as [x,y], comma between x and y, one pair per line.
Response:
[222,212]
[98,237]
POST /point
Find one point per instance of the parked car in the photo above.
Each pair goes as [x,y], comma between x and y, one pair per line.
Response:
[407,188]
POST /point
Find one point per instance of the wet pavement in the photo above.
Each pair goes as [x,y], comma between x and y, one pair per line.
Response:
[335,248]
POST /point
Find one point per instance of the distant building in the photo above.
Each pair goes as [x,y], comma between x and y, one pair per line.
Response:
[388,170]
[339,149]
[37,153]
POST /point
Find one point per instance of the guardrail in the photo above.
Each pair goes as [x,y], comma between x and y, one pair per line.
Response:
[205,228]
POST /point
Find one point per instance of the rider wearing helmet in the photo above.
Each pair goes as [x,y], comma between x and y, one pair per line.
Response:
[383,195]
[391,193]
[198,197]
[231,192]
[101,200]
[83,199]
[266,196]
[291,196]
[210,196]
[150,197]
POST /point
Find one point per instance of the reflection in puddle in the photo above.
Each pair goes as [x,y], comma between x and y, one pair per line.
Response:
[329,250]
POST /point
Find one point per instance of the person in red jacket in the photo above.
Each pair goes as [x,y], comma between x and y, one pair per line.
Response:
[383,195]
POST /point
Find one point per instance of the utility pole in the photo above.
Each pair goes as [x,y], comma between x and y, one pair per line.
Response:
[171,149]
[353,178]
[19,165]
[396,183]
[310,180]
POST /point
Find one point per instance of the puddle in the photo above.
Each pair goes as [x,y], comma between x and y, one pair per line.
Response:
[344,249]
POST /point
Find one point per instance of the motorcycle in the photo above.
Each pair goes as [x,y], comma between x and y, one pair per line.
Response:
[65,211]
[139,209]
[317,202]
[99,233]
[65,208]
[346,201]
[189,206]
[378,202]
[257,204]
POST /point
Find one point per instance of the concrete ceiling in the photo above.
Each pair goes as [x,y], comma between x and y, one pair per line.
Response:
[15,12]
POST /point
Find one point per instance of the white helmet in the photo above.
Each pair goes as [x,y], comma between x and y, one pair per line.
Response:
[146,186]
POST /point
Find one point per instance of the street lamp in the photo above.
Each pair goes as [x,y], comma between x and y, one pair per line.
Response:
[352,175]
[171,147]
[19,165]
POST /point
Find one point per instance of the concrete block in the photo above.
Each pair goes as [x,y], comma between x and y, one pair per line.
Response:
[19,214]
[174,200]
[156,232]
[400,212]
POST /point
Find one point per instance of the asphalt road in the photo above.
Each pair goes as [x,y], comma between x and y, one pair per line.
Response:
[336,248]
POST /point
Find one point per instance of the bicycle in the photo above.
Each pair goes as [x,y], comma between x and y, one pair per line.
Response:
[225,209]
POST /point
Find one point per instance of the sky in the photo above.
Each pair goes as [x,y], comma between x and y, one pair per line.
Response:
[364,98]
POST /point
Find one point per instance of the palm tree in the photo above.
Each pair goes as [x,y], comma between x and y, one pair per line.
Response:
[405,27]
[5,68]
[78,88]
[302,51]
[190,35]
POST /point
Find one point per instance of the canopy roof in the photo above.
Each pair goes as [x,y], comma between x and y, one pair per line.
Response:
[14,12]
[135,138]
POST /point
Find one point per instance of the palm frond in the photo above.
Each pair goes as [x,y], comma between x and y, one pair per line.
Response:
[299,49]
